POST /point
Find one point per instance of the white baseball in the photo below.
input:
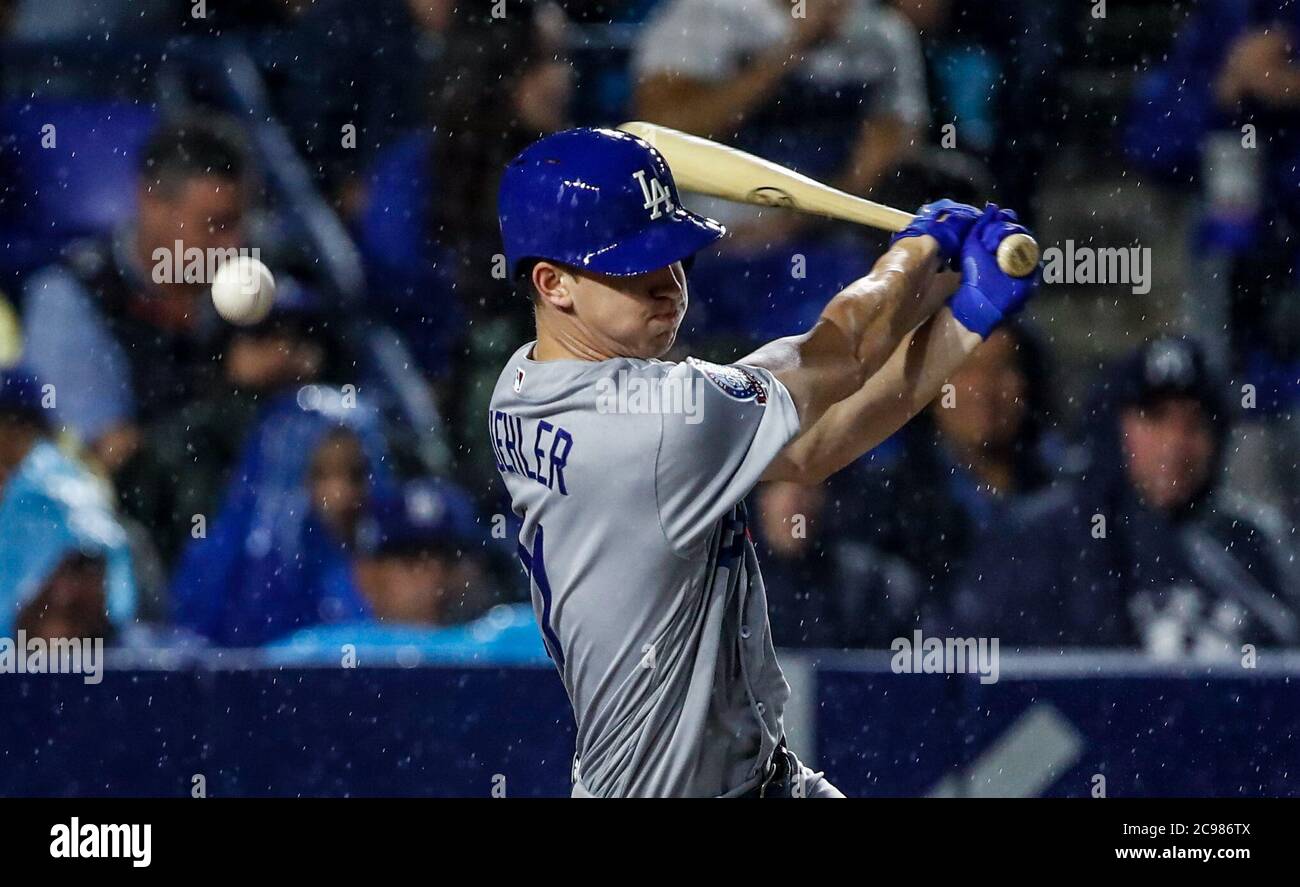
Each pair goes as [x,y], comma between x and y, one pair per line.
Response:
[243,291]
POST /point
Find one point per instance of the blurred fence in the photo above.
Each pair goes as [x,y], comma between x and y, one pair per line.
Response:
[1049,726]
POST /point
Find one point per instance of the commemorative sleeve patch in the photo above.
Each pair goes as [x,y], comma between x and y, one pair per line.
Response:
[737,382]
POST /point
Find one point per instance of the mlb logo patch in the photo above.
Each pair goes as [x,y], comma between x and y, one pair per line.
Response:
[734,381]
[519,379]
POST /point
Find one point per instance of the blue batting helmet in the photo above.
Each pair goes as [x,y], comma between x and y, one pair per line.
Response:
[600,200]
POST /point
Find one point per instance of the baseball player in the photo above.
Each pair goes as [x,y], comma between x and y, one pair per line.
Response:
[630,472]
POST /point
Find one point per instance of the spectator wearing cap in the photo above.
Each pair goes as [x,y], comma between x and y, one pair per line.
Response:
[421,553]
[121,338]
[1145,549]
[186,455]
[421,573]
[65,565]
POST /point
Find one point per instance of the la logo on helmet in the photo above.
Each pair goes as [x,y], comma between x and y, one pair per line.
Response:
[658,199]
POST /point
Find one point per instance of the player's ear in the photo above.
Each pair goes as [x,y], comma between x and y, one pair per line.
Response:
[553,284]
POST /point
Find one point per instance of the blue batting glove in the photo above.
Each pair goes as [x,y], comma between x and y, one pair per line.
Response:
[946,221]
[987,294]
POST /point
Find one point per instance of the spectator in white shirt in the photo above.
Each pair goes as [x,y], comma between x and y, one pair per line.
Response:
[838,93]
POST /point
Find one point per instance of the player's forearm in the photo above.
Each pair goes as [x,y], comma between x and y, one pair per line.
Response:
[912,377]
[875,312]
[857,331]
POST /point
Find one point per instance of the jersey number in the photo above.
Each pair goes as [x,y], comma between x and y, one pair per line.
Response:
[535,566]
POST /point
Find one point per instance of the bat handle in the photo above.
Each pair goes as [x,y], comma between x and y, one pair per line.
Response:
[1018,255]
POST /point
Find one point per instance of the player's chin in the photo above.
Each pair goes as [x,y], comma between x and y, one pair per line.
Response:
[661,333]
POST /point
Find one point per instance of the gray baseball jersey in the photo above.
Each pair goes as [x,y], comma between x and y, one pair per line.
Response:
[629,476]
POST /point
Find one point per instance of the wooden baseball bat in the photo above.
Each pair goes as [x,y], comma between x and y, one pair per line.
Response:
[707,167]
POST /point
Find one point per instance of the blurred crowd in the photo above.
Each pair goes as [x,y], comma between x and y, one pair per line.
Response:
[167,478]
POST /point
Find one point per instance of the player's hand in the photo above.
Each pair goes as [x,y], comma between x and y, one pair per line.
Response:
[987,294]
[946,221]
